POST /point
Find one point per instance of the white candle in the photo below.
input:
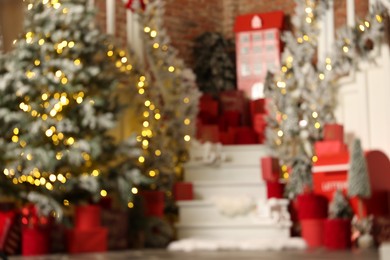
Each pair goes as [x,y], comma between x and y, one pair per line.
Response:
[110,6]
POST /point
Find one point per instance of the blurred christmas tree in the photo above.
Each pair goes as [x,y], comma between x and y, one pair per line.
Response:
[171,102]
[214,65]
[358,179]
[58,102]
[303,93]
[339,207]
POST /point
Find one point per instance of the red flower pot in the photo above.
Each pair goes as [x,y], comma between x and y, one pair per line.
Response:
[313,232]
[337,234]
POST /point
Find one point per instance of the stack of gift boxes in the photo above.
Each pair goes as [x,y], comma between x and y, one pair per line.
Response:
[231,119]
[87,235]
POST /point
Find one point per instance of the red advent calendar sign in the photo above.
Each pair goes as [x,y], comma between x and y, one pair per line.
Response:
[258,49]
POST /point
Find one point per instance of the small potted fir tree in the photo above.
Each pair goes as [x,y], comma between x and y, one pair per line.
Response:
[337,229]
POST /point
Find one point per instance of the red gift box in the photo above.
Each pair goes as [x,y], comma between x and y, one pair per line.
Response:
[87,240]
[257,106]
[116,222]
[312,206]
[154,203]
[183,191]
[337,234]
[245,135]
[275,190]
[226,138]
[208,133]
[87,217]
[334,132]
[329,148]
[229,118]
[235,100]
[313,232]
[208,109]
[259,123]
[35,241]
[270,169]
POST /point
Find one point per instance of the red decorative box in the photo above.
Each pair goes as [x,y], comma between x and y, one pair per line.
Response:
[229,119]
[257,106]
[154,203]
[235,100]
[227,138]
[117,223]
[87,240]
[312,206]
[208,109]
[337,234]
[275,190]
[245,135]
[208,133]
[35,241]
[329,148]
[259,123]
[313,232]
[334,132]
[87,217]
[183,191]
[270,169]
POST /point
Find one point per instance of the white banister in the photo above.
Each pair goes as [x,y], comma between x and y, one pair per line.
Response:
[110,7]
[351,13]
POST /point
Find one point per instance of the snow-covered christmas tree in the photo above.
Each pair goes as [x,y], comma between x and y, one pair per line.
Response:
[58,98]
[303,93]
[358,179]
[172,107]
[339,207]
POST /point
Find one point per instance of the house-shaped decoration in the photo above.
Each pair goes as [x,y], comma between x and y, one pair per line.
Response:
[258,49]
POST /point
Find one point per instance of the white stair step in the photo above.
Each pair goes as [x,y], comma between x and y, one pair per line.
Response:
[198,212]
[233,231]
[208,189]
[243,173]
[235,155]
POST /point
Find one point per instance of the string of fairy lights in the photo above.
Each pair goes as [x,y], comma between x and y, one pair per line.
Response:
[286,133]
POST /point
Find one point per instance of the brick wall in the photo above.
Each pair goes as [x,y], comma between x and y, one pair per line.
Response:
[187,19]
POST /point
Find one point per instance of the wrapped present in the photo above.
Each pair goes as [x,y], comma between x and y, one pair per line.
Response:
[154,203]
[117,224]
[87,240]
[208,109]
[270,169]
[245,135]
[257,106]
[312,206]
[35,241]
[275,190]
[229,119]
[259,123]
[235,100]
[183,191]
[87,216]
[312,231]
[332,147]
[337,234]
[10,234]
[208,133]
[334,132]
[227,138]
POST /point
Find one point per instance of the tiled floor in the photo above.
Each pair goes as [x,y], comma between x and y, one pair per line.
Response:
[217,255]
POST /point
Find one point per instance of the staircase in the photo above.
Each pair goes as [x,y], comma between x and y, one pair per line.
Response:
[230,197]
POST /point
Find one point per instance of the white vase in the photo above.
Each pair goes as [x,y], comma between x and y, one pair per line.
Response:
[365,241]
